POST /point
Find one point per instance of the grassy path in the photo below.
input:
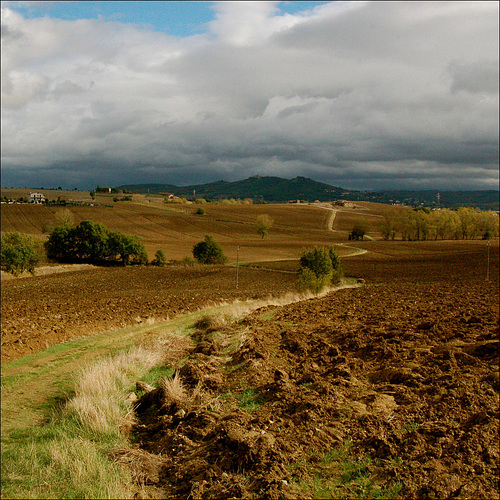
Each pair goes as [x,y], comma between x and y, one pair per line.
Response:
[39,454]
[30,382]
[40,451]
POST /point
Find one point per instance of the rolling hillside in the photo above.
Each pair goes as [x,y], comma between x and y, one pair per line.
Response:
[278,190]
[176,229]
[271,189]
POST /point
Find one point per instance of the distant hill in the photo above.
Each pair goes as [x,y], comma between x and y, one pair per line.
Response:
[259,188]
[278,190]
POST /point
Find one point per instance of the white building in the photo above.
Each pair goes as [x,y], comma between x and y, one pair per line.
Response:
[38,198]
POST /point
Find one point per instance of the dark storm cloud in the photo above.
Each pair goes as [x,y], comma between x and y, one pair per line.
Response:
[364,95]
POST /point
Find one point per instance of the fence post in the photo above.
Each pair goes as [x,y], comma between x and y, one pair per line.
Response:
[488,262]
[237,264]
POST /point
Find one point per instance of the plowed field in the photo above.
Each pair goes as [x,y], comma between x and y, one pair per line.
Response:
[386,391]
[41,311]
[390,390]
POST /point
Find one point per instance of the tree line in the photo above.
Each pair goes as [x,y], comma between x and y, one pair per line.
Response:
[89,242]
[421,223]
[94,243]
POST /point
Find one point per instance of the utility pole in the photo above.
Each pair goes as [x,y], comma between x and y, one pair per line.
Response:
[488,262]
[237,264]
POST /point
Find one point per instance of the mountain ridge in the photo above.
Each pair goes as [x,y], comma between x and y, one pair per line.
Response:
[272,189]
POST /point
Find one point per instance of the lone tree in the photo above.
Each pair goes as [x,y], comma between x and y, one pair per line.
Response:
[65,217]
[358,231]
[263,224]
[209,251]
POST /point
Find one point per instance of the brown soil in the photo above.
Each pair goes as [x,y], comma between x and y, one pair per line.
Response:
[389,390]
[38,312]
[175,229]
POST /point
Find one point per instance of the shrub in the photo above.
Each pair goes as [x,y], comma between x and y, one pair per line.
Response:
[209,252]
[200,211]
[337,269]
[318,261]
[319,267]
[20,252]
[160,259]
[308,281]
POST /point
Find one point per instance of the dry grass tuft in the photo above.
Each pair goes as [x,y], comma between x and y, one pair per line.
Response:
[100,402]
[174,392]
[174,347]
[230,341]
[211,322]
[145,467]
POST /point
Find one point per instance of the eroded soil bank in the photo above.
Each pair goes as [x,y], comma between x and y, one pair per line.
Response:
[385,391]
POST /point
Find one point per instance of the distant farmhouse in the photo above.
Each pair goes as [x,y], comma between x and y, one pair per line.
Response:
[37,198]
[343,203]
[170,196]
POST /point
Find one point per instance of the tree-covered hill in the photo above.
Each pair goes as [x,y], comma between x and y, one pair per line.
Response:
[259,188]
[278,190]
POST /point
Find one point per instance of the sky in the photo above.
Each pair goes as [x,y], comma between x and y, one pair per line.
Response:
[361,95]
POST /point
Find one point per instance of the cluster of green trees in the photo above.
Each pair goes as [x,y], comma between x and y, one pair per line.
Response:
[94,243]
[424,224]
[319,267]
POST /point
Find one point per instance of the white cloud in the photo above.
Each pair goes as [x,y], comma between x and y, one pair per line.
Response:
[349,93]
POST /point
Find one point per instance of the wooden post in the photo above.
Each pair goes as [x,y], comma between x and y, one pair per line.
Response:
[488,262]
[237,264]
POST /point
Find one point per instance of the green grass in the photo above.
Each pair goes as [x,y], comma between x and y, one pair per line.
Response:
[58,459]
[155,374]
[408,427]
[48,448]
[249,399]
[339,473]
[268,316]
